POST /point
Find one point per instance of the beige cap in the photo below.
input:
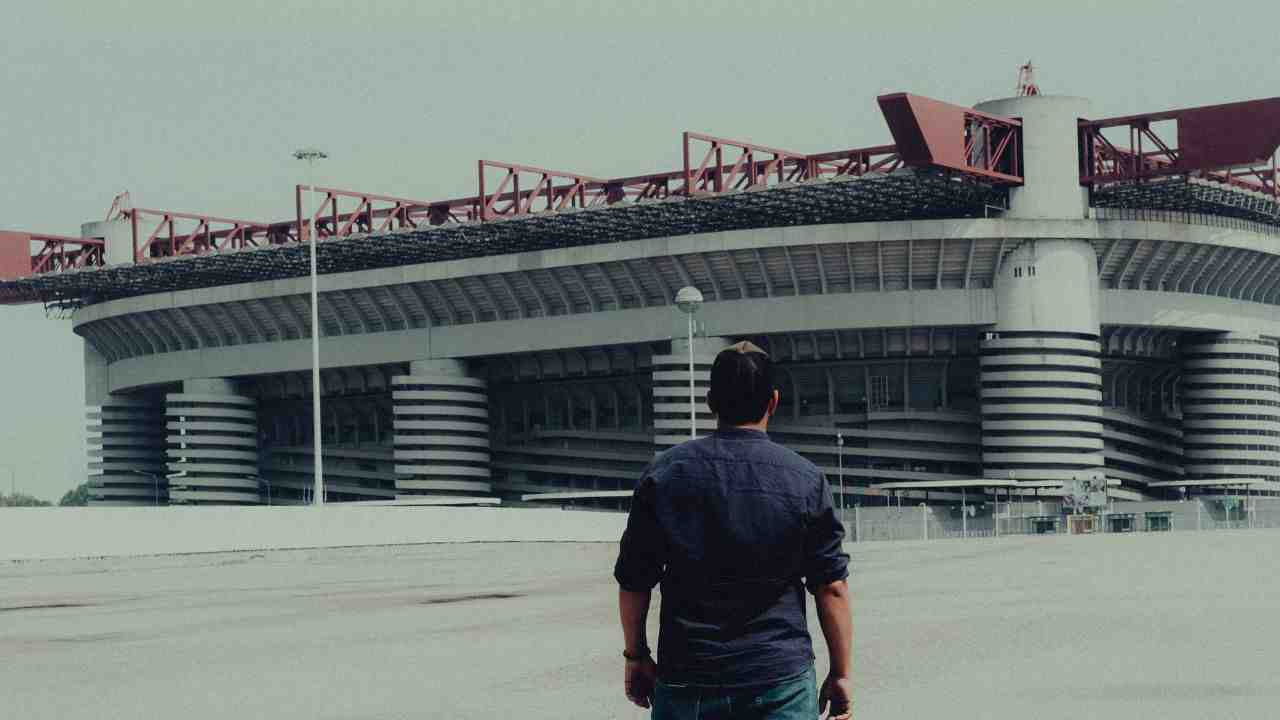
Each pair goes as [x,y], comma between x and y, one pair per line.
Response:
[746,347]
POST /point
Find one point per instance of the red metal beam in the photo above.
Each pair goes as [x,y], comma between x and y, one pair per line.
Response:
[508,200]
[1233,143]
[640,188]
[522,190]
[931,133]
[342,213]
[169,233]
[747,167]
[57,253]
[25,254]
[855,162]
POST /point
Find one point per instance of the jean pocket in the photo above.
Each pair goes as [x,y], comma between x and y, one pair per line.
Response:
[672,701]
[790,699]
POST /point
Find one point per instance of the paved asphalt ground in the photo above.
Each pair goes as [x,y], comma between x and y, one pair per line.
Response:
[1180,625]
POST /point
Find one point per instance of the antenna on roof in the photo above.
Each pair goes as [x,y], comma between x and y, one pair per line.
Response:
[1026,82]
[119,204]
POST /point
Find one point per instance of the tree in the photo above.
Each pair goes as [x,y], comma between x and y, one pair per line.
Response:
[22,500]
[78,495]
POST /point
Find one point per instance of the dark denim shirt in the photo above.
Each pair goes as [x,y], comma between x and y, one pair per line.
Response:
[735,527]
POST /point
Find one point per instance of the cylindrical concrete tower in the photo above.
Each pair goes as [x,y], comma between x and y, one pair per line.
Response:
[441,430]
[671,417]
[213,445]
[1042,367]
[1231,407]
[1050,156]
[126,440]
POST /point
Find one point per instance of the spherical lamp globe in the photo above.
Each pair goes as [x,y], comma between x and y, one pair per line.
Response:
[689,299]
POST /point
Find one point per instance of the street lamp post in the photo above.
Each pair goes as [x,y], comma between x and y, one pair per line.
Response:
[689,300]
[311,155]
[155,484]
[1022,501]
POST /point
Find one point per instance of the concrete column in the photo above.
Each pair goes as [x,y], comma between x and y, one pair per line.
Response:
[1050,156]
[671,390]
[906,383]
[126,451]
[1041,368]
[945,400]
[441,430]
[96,376]
[1230,407]
[118,236]
[212,444]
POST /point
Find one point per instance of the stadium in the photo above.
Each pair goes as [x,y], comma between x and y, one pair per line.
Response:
[1008,298]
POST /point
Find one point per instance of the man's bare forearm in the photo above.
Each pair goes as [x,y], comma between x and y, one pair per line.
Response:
[836,620]
[633,608]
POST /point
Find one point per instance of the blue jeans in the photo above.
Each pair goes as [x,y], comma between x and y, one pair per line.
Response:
[795,699]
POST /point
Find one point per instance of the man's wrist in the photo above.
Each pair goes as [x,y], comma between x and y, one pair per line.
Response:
[640,652]
[840,666]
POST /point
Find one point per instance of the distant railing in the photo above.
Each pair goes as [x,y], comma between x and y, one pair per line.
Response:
[878,523]
[1185,218]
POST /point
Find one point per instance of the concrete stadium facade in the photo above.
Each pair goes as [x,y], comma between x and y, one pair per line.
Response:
[1052,341]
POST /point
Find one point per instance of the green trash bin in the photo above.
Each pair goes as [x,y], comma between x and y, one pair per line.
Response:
[1044,524]
[1120,523]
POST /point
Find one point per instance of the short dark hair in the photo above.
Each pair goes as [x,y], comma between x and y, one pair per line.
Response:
[742,384]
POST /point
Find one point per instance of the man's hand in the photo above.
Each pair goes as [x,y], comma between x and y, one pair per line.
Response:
[638,681]
[836,697]
[835,700]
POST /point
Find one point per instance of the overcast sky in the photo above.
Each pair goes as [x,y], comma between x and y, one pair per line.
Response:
[197,106]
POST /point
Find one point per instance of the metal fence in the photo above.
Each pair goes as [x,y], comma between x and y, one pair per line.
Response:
[1185,217]
[887,523]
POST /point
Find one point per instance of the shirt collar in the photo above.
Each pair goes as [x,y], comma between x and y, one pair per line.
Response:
[745,433]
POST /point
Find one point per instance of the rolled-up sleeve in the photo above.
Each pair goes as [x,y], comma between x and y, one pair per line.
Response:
[642,552]
[825,558]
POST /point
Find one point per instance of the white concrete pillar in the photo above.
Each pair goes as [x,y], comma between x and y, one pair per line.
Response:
[441,430]
[671,417]
[127,451]
[1230,407]
[212,444]
[118,236]
[96,376]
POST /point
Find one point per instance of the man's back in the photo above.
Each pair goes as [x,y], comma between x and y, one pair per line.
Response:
[734,526]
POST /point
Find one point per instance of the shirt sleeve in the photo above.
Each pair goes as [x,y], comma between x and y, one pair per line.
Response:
[825,559]
[642,552]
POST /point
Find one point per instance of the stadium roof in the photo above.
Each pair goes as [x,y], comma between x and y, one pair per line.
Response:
[906,193]
[948,161]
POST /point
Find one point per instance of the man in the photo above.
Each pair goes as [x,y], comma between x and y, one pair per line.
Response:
[735,527]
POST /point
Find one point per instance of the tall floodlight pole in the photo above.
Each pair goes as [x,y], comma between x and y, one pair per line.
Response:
[311,155]
[840,471]
[689,300]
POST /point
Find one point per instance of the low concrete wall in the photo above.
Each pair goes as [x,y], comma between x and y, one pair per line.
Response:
[48,533]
